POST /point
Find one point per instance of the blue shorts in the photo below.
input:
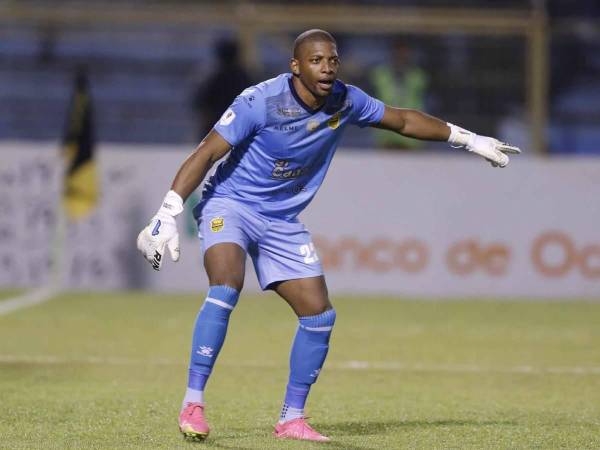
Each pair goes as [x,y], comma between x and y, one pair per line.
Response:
[280,250]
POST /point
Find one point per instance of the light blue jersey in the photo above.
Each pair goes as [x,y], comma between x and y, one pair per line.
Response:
[281,149]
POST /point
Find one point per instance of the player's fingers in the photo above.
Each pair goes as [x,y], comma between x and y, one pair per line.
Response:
[501,160]
[505,148]
[145,246]
[156,258]
[499,163]
[140,242]
[173,246]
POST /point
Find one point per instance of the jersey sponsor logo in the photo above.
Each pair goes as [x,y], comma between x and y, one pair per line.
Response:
[282,171]
[227,117]
[289,112]
[312,125]
[297,188]
[334,122]
[293,190]
[217,224]
[287,128]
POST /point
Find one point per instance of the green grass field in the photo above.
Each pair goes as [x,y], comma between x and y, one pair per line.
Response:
[108,371]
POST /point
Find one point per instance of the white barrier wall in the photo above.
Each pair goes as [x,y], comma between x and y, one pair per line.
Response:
[446,226]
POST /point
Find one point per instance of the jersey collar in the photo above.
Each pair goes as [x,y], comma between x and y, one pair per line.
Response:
[307,108]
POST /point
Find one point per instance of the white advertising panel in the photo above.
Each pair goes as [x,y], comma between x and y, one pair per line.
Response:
[410,225]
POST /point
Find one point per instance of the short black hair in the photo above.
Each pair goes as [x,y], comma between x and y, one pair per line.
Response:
[313,35]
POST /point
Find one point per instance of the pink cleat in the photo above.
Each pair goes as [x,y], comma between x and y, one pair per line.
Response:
[192,422]
[298,429]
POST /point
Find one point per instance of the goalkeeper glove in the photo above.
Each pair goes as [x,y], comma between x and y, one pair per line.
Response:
[161,232]
[491,149]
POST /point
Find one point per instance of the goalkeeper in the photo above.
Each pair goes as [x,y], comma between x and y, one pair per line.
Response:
[281,136]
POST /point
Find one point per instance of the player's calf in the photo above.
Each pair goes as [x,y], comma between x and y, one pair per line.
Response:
[309,351]
[208,337]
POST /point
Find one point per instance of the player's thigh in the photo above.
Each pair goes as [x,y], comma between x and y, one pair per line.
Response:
[285,252]
[225,232]
[306,296]
[225,264]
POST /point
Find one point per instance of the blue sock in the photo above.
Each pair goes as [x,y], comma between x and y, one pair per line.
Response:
[209,333]
[306,360]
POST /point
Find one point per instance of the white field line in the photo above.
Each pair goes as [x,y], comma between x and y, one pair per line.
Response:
[28,299]
[333,365]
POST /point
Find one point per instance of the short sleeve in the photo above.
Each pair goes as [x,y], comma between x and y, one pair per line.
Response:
[244,118]
[366,110]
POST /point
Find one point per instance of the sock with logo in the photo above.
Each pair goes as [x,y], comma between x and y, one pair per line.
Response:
[306,360]
[208,337]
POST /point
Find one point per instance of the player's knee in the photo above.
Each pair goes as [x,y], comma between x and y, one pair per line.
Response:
[217,307]
[228,280]
[324,307]
[315,309]
[320,323]
[223,296]
[330,315]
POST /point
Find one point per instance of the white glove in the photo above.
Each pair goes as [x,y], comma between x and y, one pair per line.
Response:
[491,149]
[161,232]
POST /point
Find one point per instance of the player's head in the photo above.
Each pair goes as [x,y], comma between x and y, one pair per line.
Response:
[315,62]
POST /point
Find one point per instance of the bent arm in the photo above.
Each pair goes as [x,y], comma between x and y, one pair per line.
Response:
[193,170]
[413,123]
[161,232]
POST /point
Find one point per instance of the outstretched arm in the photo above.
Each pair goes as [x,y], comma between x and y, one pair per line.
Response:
[415,124]
[418,125]
[161,232]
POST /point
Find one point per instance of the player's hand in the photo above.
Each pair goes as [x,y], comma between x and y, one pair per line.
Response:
[493,150]
[161,233]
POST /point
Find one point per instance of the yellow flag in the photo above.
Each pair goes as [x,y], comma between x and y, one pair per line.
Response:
[80,193]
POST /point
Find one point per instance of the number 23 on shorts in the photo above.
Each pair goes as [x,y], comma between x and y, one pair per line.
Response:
[309,252]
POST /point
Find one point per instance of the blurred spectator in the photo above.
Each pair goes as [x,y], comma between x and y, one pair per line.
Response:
[214,95]
[48,40]
[575,43]
[574,76]
[403,83]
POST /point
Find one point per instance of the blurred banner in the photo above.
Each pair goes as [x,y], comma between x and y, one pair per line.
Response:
[80,194]
[444,226]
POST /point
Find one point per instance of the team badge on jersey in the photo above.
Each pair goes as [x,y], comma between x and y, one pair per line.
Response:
[334,122]
[227,117]
[217,224]
[312,125]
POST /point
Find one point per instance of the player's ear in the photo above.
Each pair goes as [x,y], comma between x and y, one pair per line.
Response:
[294,66]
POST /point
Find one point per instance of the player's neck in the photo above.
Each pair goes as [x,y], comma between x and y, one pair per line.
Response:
[311,100]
